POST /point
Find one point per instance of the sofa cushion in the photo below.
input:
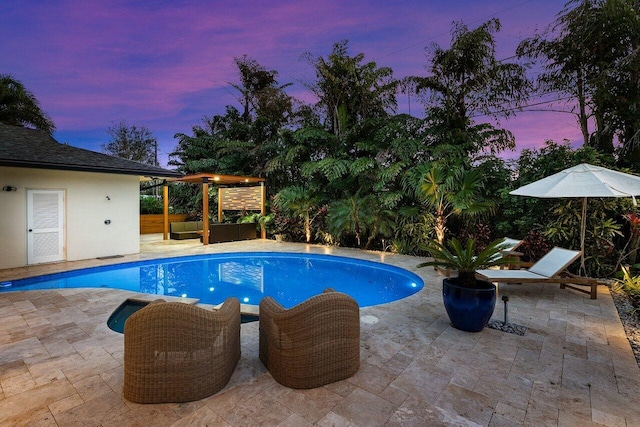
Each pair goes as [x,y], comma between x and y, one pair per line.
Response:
[176,227]
[185,229]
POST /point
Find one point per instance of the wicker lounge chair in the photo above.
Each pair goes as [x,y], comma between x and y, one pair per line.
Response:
[314,343]
[176,352]
[549,269]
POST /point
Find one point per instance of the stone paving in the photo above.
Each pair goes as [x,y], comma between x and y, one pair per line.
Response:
[61,366]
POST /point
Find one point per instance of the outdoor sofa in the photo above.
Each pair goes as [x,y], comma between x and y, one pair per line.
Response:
[231,232]
[218,232]
[185,230]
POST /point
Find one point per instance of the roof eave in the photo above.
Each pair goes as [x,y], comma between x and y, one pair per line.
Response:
[160,173]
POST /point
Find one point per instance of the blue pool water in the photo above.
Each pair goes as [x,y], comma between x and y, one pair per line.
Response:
[249,276]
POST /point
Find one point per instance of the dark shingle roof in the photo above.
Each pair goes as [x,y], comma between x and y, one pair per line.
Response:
[29,148]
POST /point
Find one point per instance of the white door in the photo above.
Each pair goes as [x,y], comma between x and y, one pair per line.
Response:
[45,226]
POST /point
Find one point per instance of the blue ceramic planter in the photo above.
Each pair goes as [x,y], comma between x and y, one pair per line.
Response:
[469,309]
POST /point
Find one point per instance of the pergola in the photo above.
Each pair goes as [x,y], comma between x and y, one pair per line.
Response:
[234,193]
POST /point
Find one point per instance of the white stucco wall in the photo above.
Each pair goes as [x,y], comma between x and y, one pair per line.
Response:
[86,209]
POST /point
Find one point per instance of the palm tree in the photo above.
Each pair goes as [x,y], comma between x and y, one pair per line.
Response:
[19,107]
[349,90]
[452,189]
[380,221]
[361,216]
[347,215]
[300,202]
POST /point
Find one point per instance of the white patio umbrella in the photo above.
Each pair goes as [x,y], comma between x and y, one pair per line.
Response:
[583,181]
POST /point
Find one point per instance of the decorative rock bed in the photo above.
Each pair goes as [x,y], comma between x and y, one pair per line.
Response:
[511,328]
[629,317]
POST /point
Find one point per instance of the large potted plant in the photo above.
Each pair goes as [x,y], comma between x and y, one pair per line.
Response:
[469,302]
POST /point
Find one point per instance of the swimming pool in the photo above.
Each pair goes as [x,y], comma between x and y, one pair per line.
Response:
[249,276]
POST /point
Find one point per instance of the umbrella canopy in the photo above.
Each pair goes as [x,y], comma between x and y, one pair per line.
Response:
[583,181]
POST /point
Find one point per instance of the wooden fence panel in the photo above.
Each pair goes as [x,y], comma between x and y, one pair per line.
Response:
[150,224]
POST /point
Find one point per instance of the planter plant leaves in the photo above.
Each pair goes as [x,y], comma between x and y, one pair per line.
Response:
[469,302]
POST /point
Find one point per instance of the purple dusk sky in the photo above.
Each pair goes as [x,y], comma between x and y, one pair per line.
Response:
[166,64]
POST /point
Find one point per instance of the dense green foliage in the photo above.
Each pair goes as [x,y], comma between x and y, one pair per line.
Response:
[348,170]
[150,205]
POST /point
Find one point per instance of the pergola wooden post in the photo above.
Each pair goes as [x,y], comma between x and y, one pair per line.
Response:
[263,210]
[220,199]
[165,211]
[205,210]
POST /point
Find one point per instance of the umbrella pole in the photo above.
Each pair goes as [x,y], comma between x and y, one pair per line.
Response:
[582,234]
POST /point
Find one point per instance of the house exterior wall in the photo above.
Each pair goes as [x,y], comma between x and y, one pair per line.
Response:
[86,209]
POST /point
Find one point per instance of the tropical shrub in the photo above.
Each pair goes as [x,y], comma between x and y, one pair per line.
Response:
[299,202]
[150,205]
[360,218]
[479,232]
[630,285]
[292,227]
[630,250]
[600,235]
[534,246]
[413,228]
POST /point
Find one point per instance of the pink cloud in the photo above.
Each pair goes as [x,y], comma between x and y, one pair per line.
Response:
[166,64]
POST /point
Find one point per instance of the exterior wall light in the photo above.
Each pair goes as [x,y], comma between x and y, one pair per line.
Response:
[9,188]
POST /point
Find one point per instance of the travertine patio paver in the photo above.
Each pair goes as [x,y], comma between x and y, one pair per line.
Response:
[61,365]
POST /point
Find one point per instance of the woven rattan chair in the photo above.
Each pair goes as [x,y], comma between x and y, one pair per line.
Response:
[314,343]
[176,352]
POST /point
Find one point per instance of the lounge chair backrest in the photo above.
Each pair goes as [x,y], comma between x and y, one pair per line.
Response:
[510,244]
[177,352]
[554,262]
[311,344]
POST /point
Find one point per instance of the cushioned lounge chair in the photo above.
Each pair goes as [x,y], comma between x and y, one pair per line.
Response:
[176,352]
[316,342]
[549,269]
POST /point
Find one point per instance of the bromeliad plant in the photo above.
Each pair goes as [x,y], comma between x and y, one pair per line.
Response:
[464,259]
[630,285]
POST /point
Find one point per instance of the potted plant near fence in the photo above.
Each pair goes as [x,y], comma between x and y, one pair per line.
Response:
[469,302]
